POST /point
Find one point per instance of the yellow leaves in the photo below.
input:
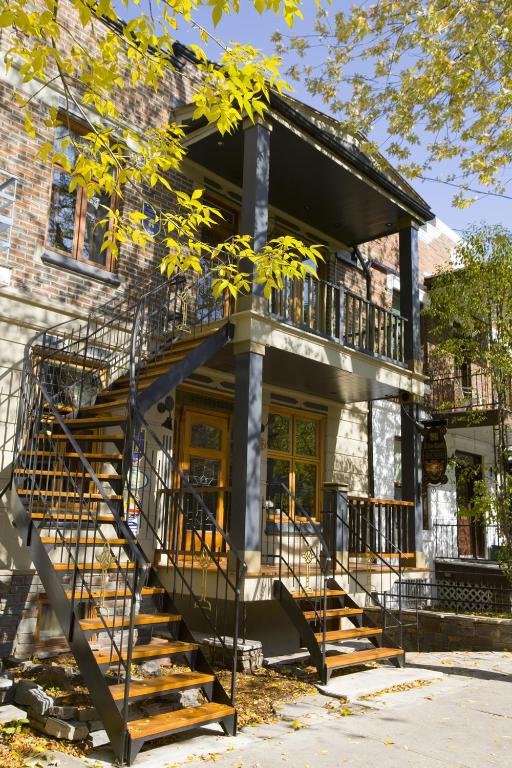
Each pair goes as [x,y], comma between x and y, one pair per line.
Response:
[7,18]
[388,742]
[29,125]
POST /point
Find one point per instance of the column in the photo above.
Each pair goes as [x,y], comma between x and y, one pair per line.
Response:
[410,294]
[246,512]
[411,437]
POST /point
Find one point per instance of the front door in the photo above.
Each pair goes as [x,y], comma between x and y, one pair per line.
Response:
[470,530]
[205,463]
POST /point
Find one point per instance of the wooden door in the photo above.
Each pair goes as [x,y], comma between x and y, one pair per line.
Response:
[205,463]
[470,530]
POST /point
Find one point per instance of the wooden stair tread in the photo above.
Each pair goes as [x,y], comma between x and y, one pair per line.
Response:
[88,455]
[67,494]
[96,438]
[142,619]
[97,594]
[57,541]
[58,515]
[165,722]
[151,650]
[121,402]
[361,657]
[158,685]
[383,555]
[93,566]
[96,421]
[60,473]
[328,592]
[332,613]
[347,634]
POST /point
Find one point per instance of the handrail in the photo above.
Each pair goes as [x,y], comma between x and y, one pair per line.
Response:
[231,576]
[57,371]
[337,520]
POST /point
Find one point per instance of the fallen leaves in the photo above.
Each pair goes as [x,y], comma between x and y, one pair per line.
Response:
[259,694]
[397,688]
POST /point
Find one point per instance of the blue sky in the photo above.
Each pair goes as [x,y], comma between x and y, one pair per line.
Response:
[249,27]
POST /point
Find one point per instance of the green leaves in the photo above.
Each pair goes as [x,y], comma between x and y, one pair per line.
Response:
[436,67]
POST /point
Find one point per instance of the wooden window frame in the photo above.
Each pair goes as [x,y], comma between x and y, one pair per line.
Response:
[80,212]
[292,457]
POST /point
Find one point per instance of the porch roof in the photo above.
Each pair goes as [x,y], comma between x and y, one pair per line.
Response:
[316,175]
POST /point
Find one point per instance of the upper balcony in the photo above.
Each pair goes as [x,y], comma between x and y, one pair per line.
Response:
[466,399]
[335,313]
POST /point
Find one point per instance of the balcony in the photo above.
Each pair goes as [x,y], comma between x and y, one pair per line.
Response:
[335,313]
[467,398]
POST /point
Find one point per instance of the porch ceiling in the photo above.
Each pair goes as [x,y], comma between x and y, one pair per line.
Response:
[311,377]
[337,192]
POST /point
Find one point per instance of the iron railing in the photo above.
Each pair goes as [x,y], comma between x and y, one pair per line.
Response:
[295,546]
[203,568]
[374,522]
[67,501]
[334,312]
[467,539]
[470,390]
[454,595]
[354,556]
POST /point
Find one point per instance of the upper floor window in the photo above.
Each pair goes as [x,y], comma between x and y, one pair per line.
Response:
[74,226]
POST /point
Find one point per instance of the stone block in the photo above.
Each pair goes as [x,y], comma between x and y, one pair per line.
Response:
[63,713]
[71,730]
[250,652]
[8,713]
[6,689]
[86,714]
[33,697]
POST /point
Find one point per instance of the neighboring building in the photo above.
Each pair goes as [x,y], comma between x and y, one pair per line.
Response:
[197,457]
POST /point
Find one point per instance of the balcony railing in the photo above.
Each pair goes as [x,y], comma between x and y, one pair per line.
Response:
[467,539]
[464,391]
[333,312]
[381,524]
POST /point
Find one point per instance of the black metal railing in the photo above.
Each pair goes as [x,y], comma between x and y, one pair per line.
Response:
[465,391]
[454,595]
[67,501]
[467,539]
[294,546]
[374,522]
[202,565]
[336,313]
[366,555]
[292,542]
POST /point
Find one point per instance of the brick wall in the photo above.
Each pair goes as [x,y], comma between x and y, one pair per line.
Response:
[140,108]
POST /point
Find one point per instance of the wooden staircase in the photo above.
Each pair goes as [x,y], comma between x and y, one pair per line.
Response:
[325,616]
[72,480]
[318,615]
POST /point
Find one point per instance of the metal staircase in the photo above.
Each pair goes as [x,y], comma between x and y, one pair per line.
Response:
[98,494]
[306,554]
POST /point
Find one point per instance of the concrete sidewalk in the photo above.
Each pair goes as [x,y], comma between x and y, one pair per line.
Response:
[460,716]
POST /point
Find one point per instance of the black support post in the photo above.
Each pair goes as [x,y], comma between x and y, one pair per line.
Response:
[254,220]
[411,438]
[247,416]
[247,419]
[410,295]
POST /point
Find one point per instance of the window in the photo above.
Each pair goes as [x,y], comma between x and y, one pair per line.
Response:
[294,460]
[74,227]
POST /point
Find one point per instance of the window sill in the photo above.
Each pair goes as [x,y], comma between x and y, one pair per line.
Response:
[60,261]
